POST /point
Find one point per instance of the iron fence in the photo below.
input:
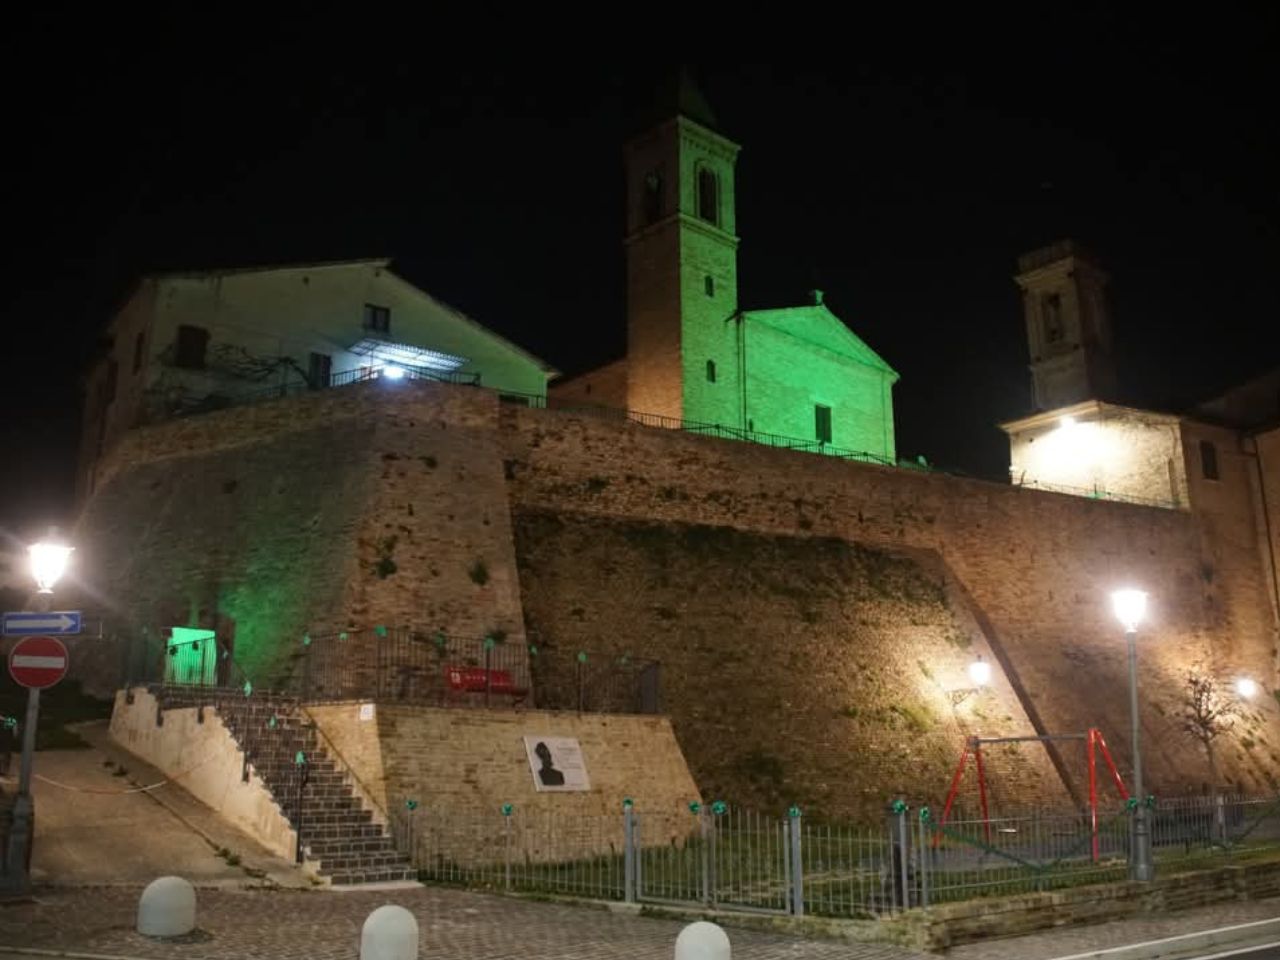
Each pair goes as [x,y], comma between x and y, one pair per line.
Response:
[176,402]
[406,666]
[1097,493]
[735,859]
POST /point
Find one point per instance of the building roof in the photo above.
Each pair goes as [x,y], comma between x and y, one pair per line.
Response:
[381,263]
[677,95]
[1252,404]
[1086,408]
[816,325]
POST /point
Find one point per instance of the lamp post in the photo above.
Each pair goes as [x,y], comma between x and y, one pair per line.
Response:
[1130,607]
[48,563]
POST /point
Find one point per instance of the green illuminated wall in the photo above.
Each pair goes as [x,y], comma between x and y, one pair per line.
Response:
[691,353]
[796,358]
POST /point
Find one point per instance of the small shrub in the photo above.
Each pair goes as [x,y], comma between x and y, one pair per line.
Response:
[479,573]
[596,484]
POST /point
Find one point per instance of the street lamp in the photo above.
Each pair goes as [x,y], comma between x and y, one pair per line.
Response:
[1130,606]
[48,563]
[1247,687]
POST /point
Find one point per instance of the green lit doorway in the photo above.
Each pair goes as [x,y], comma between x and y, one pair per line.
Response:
[192,657]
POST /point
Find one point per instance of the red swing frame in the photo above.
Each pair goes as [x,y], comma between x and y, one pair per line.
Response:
[1094,743]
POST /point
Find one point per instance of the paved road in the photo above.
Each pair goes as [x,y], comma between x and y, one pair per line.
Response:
[315,925]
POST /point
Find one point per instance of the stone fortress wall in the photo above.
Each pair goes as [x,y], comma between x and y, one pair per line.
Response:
[814,614]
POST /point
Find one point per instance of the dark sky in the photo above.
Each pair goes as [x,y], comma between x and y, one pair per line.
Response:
[899,171]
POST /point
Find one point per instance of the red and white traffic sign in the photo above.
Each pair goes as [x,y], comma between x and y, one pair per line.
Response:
[38,662]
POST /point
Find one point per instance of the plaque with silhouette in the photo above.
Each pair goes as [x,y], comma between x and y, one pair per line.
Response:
[556,764]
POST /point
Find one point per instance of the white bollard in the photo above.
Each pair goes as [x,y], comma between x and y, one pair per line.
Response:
[389,933]
[167,908]
[702,941]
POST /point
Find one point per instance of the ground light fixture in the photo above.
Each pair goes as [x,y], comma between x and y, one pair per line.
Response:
[980,672]
[49,560]
[1247,687]
[392,372]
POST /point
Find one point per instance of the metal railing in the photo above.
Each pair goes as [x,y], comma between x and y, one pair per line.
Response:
[173,403]
[406,666]
[1096,493]
[733,859]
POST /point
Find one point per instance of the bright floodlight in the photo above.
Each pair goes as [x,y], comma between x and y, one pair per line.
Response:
[980,672]
[1246,687]
[1066,423]
[1130,606]
[392,372]
[48,563]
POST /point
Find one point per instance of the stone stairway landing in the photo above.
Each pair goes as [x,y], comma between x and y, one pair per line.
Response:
[339,836]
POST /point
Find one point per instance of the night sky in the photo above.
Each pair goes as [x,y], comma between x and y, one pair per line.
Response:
[900,173]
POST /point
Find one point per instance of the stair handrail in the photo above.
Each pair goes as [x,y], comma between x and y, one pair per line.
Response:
[330,747]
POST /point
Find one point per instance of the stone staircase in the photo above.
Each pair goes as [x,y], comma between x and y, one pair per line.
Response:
[338,834]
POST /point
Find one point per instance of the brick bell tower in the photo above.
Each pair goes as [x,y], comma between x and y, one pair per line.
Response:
[682,263]
[1064,300]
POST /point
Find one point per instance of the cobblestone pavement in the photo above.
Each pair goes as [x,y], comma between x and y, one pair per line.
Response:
[296,925]
[1065,941]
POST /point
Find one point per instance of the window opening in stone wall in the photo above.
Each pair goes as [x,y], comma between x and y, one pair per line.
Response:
[137,352]
[822,423]
[652,197]
[1051,308]
[193,342]
[320,371]
[711,371]
[377,318]
[708,196]
[1208,460]
[709,285]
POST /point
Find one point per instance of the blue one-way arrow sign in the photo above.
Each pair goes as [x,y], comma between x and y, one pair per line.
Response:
[26,624]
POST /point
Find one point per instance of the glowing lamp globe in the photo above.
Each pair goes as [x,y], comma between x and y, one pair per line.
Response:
[980,673]
[48,563]
[1130,607]
[1247,687]
[392,372]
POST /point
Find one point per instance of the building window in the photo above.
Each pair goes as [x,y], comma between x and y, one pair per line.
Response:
[652,197]
[137,352]
[708,196]
[193,342]
[709,285]
[822,423]
[377,319]
[1051,309]
[1208,460]
[711,371]
[319,371]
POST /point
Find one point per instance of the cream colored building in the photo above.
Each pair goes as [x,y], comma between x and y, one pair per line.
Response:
[187,342]
[1220,461]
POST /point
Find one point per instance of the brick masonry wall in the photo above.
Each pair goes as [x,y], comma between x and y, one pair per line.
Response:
[801,670]
[366,505]
[374,504]
[463,765]
[1039,566]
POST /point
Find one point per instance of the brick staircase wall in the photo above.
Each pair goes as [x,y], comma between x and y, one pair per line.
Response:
[205,744]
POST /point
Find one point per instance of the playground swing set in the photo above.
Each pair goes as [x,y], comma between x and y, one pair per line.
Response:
[1094,743]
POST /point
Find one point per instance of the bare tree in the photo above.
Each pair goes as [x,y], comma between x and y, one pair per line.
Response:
[1208,711]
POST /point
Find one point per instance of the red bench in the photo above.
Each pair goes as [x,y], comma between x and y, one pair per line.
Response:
[478,680]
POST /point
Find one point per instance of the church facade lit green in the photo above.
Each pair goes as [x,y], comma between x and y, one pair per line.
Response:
[692,353]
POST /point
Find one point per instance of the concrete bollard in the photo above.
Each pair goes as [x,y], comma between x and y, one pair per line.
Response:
[702,941]
[167,908]
[389,933]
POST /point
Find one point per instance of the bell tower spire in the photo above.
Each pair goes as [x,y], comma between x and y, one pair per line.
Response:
[682,262]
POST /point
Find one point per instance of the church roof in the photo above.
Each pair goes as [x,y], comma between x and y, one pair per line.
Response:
[817,325]
[678,95]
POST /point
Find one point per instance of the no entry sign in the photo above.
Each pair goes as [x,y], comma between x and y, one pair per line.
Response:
[38,662]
